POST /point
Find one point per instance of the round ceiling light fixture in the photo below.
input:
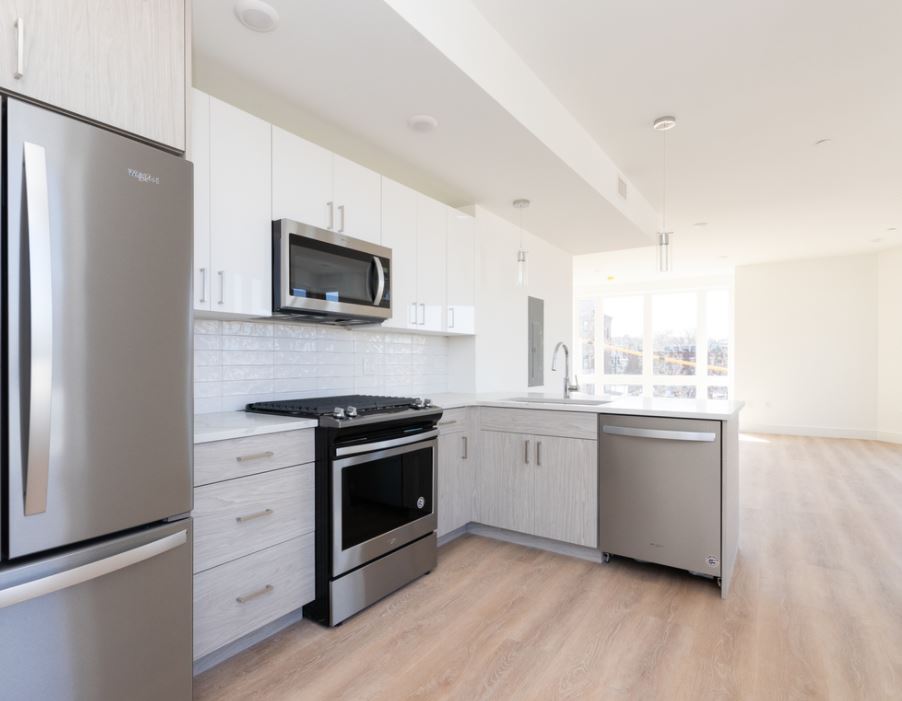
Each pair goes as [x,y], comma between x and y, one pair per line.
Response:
[422,123]
[665,123]
[890,228]
[257,15]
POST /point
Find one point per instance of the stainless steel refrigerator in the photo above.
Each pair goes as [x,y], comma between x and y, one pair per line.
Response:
[95,538]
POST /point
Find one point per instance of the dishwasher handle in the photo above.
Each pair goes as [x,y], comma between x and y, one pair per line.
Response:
[660,434]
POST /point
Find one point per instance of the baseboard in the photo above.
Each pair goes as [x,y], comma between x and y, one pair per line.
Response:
[226,651]
[532,541]
[453,535]
[889,437]
[813,431]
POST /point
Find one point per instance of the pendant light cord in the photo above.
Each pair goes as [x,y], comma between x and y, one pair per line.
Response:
[664,199]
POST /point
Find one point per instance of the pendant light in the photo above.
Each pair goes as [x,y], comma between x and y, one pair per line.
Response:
[664,124]
[522,266]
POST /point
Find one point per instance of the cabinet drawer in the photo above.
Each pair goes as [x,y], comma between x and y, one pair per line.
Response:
[238,517]
[222,460]
[238,597]
[454,420]
[568,424]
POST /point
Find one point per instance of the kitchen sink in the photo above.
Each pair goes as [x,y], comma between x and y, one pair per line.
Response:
[560,400]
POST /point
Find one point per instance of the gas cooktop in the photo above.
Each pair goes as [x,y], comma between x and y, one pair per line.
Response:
[348,406]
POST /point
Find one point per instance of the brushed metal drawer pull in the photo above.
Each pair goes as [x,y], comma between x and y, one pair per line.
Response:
[254,595]
[251,517]
[466,448]
[255,456]
[448,422]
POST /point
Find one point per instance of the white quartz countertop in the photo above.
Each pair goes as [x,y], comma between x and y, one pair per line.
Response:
[240,424]
[715,409]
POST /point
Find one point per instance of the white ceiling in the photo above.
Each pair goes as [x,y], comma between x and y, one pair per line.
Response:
[753,85]
[359,65]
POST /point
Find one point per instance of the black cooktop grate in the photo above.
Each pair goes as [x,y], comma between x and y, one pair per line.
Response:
[322,406]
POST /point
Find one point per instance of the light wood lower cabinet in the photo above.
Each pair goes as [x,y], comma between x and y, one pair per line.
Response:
[566,490]
[456,480]
[505,482]
[540,485]
[253,534]
[238,597]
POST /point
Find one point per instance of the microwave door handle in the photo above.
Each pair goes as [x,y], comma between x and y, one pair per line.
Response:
[38,386]
[380,281]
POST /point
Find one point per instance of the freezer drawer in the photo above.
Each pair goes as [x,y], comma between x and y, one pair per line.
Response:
[659,491]
[106,622]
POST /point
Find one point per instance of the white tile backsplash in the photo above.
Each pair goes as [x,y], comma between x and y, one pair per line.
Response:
[237,362]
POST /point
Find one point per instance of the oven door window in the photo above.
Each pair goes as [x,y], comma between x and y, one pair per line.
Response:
[324,271]
[381,495]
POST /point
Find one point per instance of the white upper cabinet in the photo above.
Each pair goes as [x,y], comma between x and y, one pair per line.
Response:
[199,154]
[240,208]
[119,63]
[460,315]
[301,180]
[399,233]
[314,186]
[357,196]
[432,233]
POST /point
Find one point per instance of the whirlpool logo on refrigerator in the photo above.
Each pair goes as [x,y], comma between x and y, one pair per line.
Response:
[143,177]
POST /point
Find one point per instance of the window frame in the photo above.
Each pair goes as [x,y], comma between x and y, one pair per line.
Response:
[701,380]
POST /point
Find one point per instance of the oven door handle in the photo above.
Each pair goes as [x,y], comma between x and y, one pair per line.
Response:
[381,445]
[380,281]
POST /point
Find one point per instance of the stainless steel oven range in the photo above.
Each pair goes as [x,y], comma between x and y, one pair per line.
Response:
[375,496]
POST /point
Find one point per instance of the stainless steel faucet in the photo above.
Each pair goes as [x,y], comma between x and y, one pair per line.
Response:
[568,387]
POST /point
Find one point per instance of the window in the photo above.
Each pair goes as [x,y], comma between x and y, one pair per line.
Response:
[657,344]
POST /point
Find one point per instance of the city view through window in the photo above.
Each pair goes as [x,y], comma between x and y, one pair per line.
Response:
[662,344]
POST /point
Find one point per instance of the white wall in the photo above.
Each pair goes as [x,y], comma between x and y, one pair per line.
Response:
[889,345]
[807,345]
[497,358]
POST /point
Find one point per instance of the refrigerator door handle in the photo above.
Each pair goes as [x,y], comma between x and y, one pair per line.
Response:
[38,377]
[93,570]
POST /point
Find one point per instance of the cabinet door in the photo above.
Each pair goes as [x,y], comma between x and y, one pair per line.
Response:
[199,155]
[358,200]
[505,481]
[455,482]
[120,63]
[566,489]
[240,206]
[432,228]
[301,181]
[461,270]
[399,233]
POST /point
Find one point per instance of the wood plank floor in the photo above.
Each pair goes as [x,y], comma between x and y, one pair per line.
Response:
[815,611]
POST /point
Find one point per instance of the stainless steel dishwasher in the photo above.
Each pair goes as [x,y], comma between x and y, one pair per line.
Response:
[659,491]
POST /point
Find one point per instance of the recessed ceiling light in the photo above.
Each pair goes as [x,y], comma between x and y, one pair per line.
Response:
[821,142]
[257,15]
[700,224]
[422,123]
[664,123]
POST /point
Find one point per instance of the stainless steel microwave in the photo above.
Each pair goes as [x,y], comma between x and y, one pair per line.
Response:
[321,275]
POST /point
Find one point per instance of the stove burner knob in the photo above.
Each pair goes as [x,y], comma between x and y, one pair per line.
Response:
[419,403]
[338,412]
[351,411]
[427,403]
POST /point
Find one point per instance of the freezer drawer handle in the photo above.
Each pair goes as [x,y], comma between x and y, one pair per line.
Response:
[695,436]
[93,570]
[251,517]
[36,452]
[255,456]
[253,595]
